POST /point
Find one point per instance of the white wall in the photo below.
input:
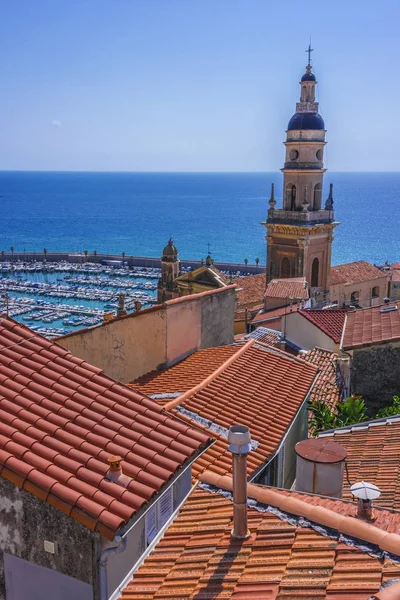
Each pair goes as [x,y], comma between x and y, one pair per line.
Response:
[303,333]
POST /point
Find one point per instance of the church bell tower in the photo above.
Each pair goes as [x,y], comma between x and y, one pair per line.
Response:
[300,234]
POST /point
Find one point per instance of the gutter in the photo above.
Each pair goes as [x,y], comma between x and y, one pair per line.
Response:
[122,538]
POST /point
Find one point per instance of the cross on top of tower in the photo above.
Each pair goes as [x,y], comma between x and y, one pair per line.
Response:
[309,50]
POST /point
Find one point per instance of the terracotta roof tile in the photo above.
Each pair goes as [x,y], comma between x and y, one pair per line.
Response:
[373,449]
[48,440]
[295,287]
[274,314]
[354,272]
[185,374]
[369,326]
[198,559]
[330,321]
[244,391]
[329,385]
[251,289]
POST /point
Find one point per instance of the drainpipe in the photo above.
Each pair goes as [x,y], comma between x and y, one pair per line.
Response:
[103,560]
[239,444]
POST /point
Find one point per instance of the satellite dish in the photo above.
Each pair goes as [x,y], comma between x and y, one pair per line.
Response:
[365,491]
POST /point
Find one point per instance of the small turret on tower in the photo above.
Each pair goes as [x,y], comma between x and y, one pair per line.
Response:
[170,270]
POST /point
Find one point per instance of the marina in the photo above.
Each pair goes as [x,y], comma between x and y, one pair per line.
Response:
[57,298]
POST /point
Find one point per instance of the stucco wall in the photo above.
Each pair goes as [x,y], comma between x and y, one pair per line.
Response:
[133,345]
[303,333]
[342,293]
[26,521]
[375,375]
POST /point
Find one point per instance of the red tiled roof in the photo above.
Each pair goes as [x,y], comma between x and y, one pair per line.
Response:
[295,287]
[395,275]
[61,419]
[354,272]
[251,289]
[271,315]
[373,450]
[259,386]
[185,374]
[240,314]
[370,326]
[330,321]
[328,386]
[198,559]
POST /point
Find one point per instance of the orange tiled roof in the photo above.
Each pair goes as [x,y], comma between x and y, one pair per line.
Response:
[271,315]
[369,326]
[329,385]
[240,314]
[330,321]
[354,272]
[185,374]
[373,450]
[198,559]
[251,289]
[261,387]
[295,287]
[60,420]
[395,275]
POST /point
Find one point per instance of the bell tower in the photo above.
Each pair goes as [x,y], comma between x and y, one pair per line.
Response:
[300,234]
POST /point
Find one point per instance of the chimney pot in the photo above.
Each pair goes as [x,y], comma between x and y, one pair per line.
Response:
[239,439]
[115,463]
[365,492]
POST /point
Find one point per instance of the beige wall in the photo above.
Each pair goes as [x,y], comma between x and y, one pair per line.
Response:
[131,346]
[341,293]
[303,333]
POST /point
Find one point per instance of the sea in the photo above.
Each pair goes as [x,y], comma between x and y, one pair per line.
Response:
[136,213]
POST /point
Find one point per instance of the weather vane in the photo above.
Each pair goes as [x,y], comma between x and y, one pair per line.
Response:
[309,50]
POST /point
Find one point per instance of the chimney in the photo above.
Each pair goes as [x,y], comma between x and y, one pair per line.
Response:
[114,473]
[365,493]
[239,444]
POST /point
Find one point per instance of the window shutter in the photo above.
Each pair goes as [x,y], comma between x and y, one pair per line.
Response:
[151,524]
[165,508]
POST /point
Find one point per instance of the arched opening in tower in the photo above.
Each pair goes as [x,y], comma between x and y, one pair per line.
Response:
[317,197]
[315,273]
[285,268]
[291,197]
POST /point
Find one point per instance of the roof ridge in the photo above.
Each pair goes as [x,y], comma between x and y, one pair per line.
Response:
[210,378]
[362,425]
[356,528]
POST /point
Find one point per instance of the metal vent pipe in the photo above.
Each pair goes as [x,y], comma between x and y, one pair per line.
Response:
[239,444]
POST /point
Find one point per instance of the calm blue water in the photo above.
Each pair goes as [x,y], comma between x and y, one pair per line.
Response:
[136,213]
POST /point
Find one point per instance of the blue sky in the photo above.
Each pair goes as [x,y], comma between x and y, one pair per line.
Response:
[192,85]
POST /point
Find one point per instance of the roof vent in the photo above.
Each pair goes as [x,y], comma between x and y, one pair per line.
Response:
[239,439]
[385,309]
[365,492]
[114,473]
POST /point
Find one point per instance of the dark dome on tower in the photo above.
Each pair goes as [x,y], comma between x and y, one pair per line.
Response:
[308,77]
[170,252]
[306,121]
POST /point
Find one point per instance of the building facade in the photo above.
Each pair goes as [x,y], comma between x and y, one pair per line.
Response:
[300,234]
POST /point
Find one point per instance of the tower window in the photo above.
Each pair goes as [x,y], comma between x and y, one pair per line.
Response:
[290,197]
[317,197]
[319,154]
[375,292]
[355,296]
[285,268]
[293,155]
[315,273]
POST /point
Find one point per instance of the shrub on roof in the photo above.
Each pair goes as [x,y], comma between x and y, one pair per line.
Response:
[348,412]
[391,410]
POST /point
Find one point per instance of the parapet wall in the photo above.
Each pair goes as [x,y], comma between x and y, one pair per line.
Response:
[130,346]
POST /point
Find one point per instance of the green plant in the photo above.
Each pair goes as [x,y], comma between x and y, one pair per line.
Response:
[391,410]
[348,412]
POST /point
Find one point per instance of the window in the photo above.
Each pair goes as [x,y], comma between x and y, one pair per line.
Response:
[285,268]
[375,292]
[290,197]
[317,196]
[315,273]
[355,296]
